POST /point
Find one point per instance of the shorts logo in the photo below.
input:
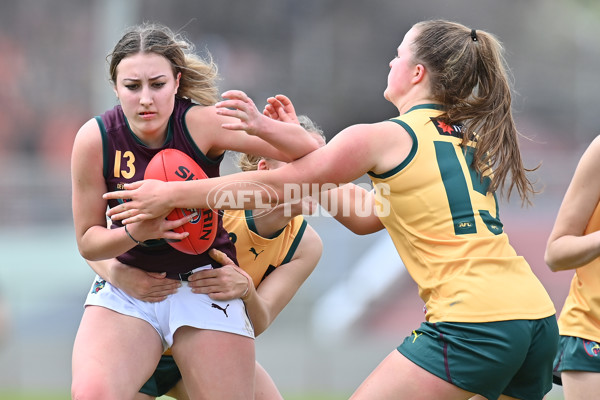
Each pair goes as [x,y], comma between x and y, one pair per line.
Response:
[213,305]
[416,335]
[98,286]
[591,348]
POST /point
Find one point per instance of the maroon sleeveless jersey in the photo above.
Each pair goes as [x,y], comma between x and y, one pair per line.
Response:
[126,159]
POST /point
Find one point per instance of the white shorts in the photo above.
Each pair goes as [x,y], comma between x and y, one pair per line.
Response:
[182,308]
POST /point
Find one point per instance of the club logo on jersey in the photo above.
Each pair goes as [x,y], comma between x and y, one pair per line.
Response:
[98,286]
[446,129]
[253,251]
[213,305]
[591,348]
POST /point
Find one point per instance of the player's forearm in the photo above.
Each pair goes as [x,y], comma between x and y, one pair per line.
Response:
[101,267]
[257,311]
[570,252]
[352,206]
[245,190]
[291,140]
[99,243]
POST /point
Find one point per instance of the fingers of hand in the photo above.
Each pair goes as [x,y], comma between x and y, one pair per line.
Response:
[234,94]
[180,222]
[159,292]
[221,296]
[283,99]
[226,107]
[119,194]
[269,111]
[202,275]
[219,257]
[121,208]
[157,275]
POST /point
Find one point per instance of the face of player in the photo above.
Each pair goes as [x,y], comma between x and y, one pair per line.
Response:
[146,89]
[402,69]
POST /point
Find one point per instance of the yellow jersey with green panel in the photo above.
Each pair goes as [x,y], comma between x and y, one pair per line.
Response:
[446,228]
[580,315]
[258,255]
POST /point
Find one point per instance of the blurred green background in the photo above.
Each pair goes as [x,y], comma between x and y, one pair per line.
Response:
[331,57]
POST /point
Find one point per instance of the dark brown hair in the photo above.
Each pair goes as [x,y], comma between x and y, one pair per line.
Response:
[469,76]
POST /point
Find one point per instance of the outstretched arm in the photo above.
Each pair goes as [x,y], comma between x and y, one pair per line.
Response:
[349,155]
[569,245]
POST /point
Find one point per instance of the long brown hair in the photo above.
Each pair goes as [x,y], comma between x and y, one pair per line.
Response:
[470,77]
[198,75]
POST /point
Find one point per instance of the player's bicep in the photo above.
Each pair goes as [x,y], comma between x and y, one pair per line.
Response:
[88,183]
[581,197]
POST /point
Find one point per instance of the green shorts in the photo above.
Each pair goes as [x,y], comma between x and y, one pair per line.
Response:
[164,378]
[513,358]
[576,354]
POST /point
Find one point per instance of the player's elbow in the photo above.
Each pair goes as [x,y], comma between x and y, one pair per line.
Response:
[553,262]
[88,252]
[364,226]
[260,327]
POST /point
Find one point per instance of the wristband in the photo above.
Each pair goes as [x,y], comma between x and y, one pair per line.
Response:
[132,238]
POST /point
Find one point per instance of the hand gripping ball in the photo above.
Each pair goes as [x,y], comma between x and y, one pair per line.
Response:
[172,165]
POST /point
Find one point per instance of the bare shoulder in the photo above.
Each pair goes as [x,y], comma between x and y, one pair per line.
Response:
[593,149]
[204,126]
[388,143]
[88,136]
[198,116]
[311,242]
[380,132]
[590,160]
[90,127]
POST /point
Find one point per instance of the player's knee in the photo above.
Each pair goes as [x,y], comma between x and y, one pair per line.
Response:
[90,390]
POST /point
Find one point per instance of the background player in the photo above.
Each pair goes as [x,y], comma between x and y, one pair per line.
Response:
[574,243]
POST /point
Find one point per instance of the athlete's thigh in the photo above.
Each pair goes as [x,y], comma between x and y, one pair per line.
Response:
[113,353]
[579,385]
[264,387]
[205,357]
[396,377]
[179,391]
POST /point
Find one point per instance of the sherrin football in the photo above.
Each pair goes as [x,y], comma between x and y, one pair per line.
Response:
[172,165]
